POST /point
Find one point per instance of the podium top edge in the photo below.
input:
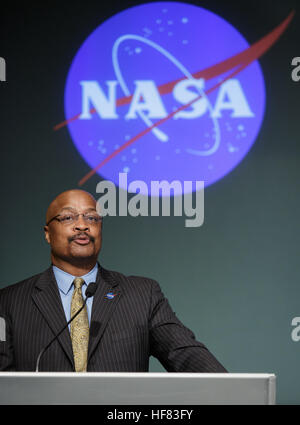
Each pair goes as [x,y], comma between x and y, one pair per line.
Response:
[140,375]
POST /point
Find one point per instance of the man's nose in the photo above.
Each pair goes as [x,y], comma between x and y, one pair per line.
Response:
[80,224]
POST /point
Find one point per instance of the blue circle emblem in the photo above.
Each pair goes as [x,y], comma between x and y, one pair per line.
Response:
[151,93]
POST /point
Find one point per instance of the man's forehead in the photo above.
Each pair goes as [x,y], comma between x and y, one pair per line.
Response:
[73,199]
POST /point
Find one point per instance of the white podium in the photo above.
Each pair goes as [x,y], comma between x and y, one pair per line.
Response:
[136,388]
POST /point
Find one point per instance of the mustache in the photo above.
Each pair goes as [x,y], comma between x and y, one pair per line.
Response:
[81,234]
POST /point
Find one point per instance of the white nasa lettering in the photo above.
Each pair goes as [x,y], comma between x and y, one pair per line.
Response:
[146,100]
[93,93]
[236,100]
[184,96]
[152,102]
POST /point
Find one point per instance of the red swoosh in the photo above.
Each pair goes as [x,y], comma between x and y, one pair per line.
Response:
[241,60]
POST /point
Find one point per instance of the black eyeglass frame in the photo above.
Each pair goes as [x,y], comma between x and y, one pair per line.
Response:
[76,218]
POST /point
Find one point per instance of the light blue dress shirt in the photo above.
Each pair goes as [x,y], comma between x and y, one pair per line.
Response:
[65,285]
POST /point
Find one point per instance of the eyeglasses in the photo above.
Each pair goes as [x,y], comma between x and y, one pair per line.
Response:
[70,218]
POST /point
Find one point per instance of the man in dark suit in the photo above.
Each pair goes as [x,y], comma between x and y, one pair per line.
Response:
[123,324]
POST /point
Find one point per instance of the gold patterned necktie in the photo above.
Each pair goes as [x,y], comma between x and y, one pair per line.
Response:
[79,328]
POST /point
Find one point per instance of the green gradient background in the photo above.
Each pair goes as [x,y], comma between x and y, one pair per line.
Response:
[235,281]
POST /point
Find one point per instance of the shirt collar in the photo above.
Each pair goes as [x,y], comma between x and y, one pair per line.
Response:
[64,280]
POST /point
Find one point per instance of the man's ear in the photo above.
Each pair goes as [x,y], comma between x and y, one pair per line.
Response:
[47,235]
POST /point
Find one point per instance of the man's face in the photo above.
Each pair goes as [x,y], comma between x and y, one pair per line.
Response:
[75,242]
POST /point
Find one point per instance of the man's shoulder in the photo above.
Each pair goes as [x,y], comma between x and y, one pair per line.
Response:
[20,286]
[134,287]
[127,280]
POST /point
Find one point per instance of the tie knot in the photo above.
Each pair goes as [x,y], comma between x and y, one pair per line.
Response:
[78,282]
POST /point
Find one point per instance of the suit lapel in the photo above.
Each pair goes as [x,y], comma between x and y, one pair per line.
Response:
[105,300]
[47,299]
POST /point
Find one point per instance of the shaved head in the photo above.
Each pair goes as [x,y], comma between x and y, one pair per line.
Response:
[59,202]
[76,243]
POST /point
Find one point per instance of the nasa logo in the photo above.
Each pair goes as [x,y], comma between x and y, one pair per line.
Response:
[110,296]
[165,91]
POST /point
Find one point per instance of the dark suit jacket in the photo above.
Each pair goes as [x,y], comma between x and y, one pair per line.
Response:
[124,331]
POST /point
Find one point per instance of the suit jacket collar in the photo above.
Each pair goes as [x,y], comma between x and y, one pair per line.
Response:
[47,299]
[106,298]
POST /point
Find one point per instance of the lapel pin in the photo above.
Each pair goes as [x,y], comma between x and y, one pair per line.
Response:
[110,296]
